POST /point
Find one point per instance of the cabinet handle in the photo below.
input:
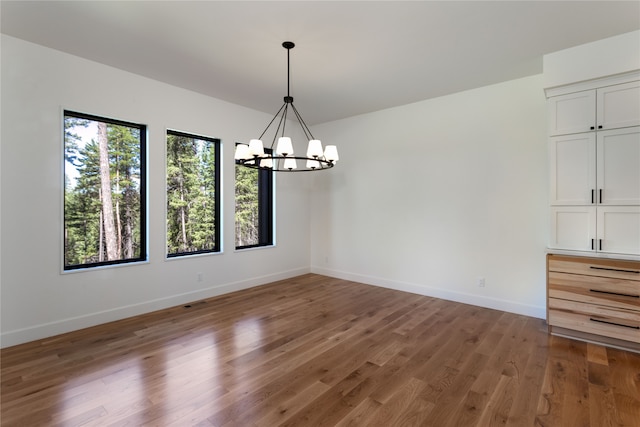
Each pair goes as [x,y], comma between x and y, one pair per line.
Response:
[615,269]
[614,293]
[614,323]
[600,244]
[593,196]
[600,194]
[593,242]
[592,127]
[600,127]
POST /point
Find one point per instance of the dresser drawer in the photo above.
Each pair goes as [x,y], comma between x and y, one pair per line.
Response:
[616,269]
[615,293]
[595,319]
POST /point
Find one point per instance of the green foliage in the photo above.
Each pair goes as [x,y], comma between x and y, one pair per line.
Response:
[71,138]
[191,194]
[247,219]
[83,228]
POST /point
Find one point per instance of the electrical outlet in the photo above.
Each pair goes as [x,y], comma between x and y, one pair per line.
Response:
[481,282]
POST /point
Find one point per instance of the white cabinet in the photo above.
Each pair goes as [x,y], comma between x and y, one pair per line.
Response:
[573,228]
[618,230]
[618,106]
[595,191]
[572,169]
[610,107]
[572,113]
[603,229]
[618,167]
[594,169]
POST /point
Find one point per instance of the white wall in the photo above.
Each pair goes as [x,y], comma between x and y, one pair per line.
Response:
[610,56]
[429,197]
[426,198]
[37,299]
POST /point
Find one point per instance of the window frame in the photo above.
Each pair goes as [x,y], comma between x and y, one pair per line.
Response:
[218,199]
[266,205]
[143,256]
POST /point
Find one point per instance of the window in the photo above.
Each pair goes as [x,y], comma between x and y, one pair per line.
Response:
[193,194]
[254,207]
[104,191]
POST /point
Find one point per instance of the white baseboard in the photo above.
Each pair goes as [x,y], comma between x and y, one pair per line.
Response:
[51,329]
[465,298]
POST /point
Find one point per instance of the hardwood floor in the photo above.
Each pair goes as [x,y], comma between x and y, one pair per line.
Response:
[318,351]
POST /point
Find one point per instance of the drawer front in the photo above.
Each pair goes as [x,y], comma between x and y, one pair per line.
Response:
[615,293]
[615,269]
[621,324]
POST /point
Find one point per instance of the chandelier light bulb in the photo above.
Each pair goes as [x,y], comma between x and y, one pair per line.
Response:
[313,164]
[331,153]
[284,148]
[315,148]
[266,162]
[256,148]
[290,164]
[242,152]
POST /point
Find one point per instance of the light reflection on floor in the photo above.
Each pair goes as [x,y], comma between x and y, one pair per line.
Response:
[139,387]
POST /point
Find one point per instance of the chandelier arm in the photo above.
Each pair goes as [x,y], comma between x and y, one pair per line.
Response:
[280,125]
[305,128]
[269,125]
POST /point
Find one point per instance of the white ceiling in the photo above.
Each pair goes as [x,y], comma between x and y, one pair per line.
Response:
[351,57]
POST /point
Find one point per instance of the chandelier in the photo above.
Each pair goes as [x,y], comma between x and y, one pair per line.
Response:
[283,158]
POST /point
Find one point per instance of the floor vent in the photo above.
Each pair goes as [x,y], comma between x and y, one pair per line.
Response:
[193,304]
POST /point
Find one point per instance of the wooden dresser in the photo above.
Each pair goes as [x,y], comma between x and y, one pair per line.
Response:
[594,299]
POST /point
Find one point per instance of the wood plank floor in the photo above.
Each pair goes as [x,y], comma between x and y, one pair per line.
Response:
[318,351]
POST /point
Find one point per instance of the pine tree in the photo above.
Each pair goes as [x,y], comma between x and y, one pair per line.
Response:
[246,206]
[102,199]
[108,216]
[125,158]
[181,176]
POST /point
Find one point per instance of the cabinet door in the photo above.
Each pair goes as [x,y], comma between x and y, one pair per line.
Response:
[573,228]
[618,154]
[572,169]
[572,113]
[618,106]
[619,229]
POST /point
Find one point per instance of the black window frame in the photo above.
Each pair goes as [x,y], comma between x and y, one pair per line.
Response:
[265,207]
[143,243]
[218,199]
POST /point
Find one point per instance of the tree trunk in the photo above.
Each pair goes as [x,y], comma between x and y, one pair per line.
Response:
[117,214]
[107,202]
[128,227]
[183,221]
[100,238]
